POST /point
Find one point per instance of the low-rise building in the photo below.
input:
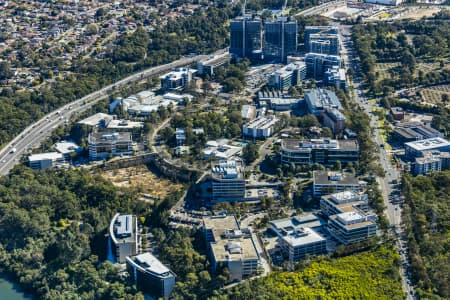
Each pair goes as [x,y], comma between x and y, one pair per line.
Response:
[102,146]
[352,227]
[317,64]
[123,234]
[99,120]
[397,113]
[231,247]
[418,148]
[334,119]
[177,79]
[261,127]
[151,276]
[135,128]
[289,75]
[319,100]
[414,131]
[431,161]
[299,236]
[336,77]
[345,201]
[228,181]
[324,151]
[66,148]
[44,161]
[208,65]
[277,101]
[329,182]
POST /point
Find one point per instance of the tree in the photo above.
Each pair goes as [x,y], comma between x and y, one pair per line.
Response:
[5,70]
[250,153]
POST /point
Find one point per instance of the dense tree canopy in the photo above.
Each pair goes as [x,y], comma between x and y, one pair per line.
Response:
[367,275]
[52,227]
[426,217]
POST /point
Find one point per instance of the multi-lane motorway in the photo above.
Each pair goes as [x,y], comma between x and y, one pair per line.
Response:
[389,185]
[34,134]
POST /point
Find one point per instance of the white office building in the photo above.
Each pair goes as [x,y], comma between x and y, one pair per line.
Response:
[329,182]
[261,127]
[341,202]
[102,146]
[123,234]
[231,247]
[299,236]
[44,161]
[352,227]
[228,181]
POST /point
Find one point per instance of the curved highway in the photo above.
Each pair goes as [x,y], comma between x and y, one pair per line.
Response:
[32,136]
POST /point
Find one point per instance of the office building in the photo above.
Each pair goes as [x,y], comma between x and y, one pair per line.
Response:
[246,37]
[123,235]
[290,75]
[99,120]
[103,146]
[334,119]
[309,30]
[231,247]
[280,39]
[44,161]
[261,127]
[414,131]
[299,236]
[207,66]
[323,43]
[431,161]
[318,100]
[385,2]
[324,151]
[135,128]
[177,79]
[345,201]
[417,148]
[228,181]
[151,276]
[328,182]
[317,64]
[67,148]
[397,113]
[336,77]
[277,101]
[352,227]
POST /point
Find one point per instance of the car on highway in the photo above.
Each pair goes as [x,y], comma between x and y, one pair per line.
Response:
[13,150]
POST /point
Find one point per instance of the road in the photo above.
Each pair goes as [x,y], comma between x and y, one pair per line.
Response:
[317,10]
[36,133]
[388,184]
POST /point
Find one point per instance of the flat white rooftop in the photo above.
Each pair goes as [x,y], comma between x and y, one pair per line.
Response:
[66,147]
[150,263]
[428,144]
[303,236]
[351,217]
[94,120]
[117,124]
[45,156]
